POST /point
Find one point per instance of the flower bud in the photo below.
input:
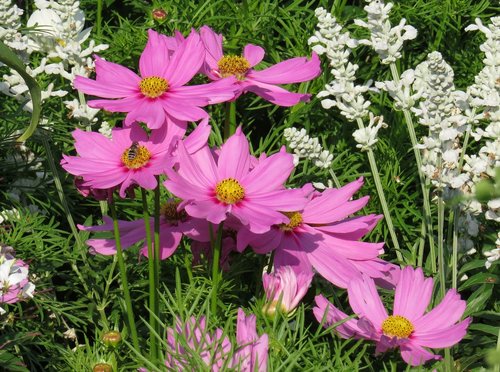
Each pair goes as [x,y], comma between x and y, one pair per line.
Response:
[102,367]
[159,14]
[112,338]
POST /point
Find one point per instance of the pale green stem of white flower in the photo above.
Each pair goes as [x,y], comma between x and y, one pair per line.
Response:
[441,264]
[423,182]
[381,195]
[334,178]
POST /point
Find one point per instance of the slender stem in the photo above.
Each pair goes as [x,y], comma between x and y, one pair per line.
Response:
[217,247]
[123,274]
[381,195]
[496,368]
[157,248]
[441,264]
[151,269]
[423,183]
[99,18]
[230,119]
[421,245]
[334,178]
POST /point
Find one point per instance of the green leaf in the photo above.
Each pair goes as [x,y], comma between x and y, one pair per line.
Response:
[480,278]
[477,300]
[8,57]
[485,328]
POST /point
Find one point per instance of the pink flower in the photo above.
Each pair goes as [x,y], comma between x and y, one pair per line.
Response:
[285,288]
[128,158]
[14,283]
[252,352]
[410,328]
[173,225]
[160,94]
[191,345]
[321,236]
[215,189]
[263,83]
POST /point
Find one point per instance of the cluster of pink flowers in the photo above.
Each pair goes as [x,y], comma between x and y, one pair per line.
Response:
[14,283]
[230,189]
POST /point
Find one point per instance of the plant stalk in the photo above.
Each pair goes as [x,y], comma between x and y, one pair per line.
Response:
[123,274]
[381,195]
[423,183]
[230,119]
[217,248]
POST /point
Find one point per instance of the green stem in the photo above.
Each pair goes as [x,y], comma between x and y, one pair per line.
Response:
[441,263]
[157,249]
[230,119]
[334,178]
[99,18]
[496,368]
[216,247]
[381,195]
[123,274]
[151,269]
[423,183]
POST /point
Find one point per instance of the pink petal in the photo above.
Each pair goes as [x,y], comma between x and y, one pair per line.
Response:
[208,209]
[182,109]
[293,70]
[444,315]
[253,54]
[365,301]
[105,89]
[116,105]
[234,158]
[261,243]
[350,228]
[201,95]
[413,293]
[259,219]
[198,137]
[289,200]
[275,94]
[441,338]
[186,61]
[415,355]
[213,46]
[155,57]
[149,111]
[292,256]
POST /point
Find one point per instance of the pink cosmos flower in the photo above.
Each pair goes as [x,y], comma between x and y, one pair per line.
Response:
[263,83]
[323,236]
[128,158]
[173,225]
[285,288]
[252,352]
[215,189]
[14,283]
[192,344]
[159,95]
[410,328]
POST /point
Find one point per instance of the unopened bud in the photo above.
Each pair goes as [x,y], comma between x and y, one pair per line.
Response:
[102,367]
[159,14]
[112,338]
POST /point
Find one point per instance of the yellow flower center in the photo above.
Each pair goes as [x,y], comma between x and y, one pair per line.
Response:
[397,325]
[229,191]
[233,65]
[170,213]
[295,221]
[136,156]
[153,86]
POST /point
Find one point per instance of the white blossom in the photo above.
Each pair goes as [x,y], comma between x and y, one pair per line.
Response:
[366,137]
[304,146]
[387,41]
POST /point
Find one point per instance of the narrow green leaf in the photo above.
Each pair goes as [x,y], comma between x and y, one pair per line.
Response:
[8,57]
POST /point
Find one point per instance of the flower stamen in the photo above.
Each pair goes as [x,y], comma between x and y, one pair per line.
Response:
[295,221]
[153,86]
[398,326]
[171,214]
[229,191]
[136,156]
[231,65]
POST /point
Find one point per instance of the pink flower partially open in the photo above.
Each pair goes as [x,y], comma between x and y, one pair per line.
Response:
[252,352]
[130,157]
[261,82]
[160,94]
[285,288]
[410,328]
[323,236]
[215,189]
